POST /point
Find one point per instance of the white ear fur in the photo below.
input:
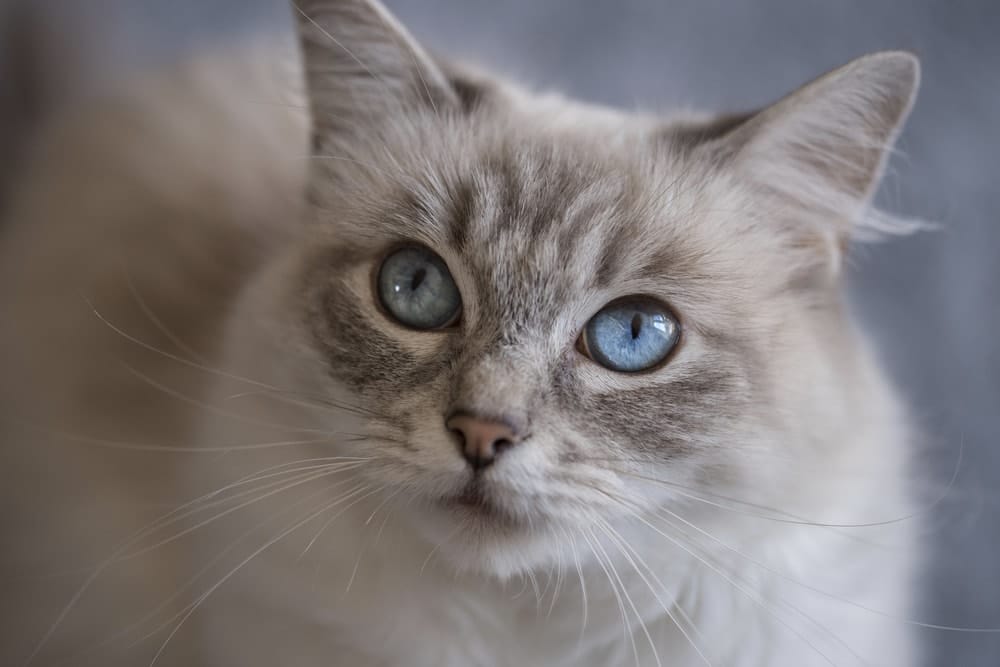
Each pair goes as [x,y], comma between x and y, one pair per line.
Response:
[362,65]
[818,154]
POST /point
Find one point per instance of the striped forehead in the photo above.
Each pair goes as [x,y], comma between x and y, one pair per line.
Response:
[539,208]
[536,225]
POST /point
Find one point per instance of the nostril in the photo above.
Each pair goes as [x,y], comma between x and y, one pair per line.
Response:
[501,444]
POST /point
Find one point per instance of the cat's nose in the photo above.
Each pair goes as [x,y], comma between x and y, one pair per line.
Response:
[481,440]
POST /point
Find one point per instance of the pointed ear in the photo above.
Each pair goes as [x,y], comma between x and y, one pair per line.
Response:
[817,155]
[361,65]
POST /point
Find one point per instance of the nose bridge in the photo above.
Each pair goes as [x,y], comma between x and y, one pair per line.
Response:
[501,381]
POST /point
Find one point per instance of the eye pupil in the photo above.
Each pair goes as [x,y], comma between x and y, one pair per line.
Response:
[636,325]
[418,278]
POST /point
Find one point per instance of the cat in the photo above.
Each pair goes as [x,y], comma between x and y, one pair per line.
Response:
[491,378]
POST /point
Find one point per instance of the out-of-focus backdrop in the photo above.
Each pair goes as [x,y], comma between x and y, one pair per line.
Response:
[931,301]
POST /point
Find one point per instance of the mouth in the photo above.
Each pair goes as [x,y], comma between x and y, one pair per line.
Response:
[474,502]
[487,527]
[474,497]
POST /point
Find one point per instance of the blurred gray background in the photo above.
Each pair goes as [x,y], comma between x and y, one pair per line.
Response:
[930,300]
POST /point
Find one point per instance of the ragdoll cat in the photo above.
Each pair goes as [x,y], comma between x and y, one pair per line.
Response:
[517,381]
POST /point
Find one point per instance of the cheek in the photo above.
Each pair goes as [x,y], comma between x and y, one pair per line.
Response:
[669,418]
[362,353]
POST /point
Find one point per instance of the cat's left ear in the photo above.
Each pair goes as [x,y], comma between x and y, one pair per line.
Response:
[362,66]
[816,156]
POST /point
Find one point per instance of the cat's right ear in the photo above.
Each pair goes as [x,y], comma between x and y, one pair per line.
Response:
[362,66]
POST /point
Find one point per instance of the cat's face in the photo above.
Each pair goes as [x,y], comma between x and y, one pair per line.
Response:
[553,316]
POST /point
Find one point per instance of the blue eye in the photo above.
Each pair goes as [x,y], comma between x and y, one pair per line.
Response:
[415,287]
[630,335]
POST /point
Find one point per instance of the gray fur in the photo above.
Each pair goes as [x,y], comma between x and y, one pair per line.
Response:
[544,210]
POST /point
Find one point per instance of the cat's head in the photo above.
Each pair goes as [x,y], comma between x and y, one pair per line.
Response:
[551,315]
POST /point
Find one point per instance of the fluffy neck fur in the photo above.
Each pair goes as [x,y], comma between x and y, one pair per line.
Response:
[697,515]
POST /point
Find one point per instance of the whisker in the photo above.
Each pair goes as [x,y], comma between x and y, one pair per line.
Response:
[311,400]
[163,353]
[304,473]
[534,589]
[101,567]
[752,596]
[191,581]
[124,445]
[213,409]
[626,625]
[381,528]
[827,594]
[157,322]
[619,542]
[355,502]
[583,590]
[361,488]
[383,504]
[438,546]
[367,543]
[823,629]
[256,499]
[788,518]
[523,589]
[545,589]
[560,573]
[236,569]
[270,469]
[378,536]
[635,610]
[628,507]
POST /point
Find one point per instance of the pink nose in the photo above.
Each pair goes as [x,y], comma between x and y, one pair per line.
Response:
[481,440]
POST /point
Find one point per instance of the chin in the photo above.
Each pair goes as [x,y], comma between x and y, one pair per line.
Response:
[473,534]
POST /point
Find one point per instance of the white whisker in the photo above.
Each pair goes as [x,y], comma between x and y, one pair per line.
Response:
[213,409]
[236,569]
[750,594]
[628,553]
[626,624]
[181,360]
[583,589]
[194,578]
[158,323]
[175,515]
